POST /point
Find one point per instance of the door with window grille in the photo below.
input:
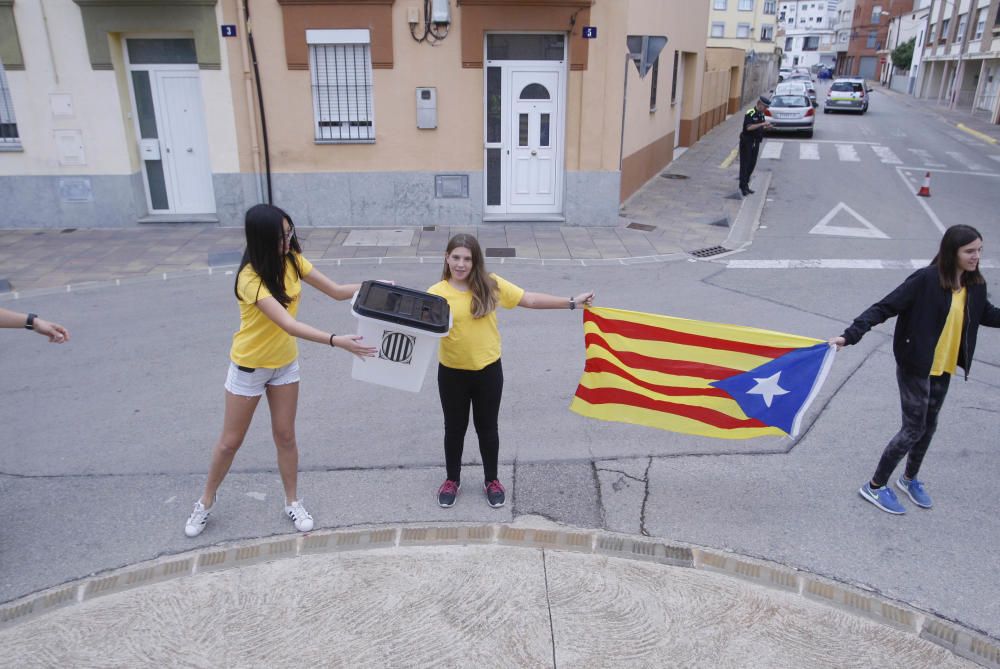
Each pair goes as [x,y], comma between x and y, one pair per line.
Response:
[524,124]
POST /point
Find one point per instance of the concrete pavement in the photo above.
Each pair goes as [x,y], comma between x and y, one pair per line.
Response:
[656,549]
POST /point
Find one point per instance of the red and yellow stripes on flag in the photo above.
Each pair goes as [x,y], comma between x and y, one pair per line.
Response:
[655,370]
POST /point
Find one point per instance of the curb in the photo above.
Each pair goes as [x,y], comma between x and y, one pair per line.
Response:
[949,635]
[748,218]
[982,136]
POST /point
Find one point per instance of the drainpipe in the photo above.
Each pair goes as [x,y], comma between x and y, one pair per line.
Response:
[248,91]
[260,99]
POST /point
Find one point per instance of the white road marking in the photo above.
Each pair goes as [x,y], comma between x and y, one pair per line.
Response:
[996,158]
[772,150]
[838,263]
[923,170]
[962,159]
[887,155]
[171,500]
[965,139]
[925,156]
[824,228]
[846,153]
[259,496]
[808,151]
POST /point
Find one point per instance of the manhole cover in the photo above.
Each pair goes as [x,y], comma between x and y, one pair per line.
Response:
[709,251]
[667,175]
[500,252]
[641,226]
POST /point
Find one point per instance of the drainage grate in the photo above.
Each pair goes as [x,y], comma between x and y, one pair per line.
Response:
[65,230]
[667,175]
[641,226]
[709,251]
[500,252]
[430,228]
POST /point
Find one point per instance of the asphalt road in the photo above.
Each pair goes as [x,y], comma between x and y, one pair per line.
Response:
[107,439]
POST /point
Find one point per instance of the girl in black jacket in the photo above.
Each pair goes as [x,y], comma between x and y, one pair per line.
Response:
[939,310]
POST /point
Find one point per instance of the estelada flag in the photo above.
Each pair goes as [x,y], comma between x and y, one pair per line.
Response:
[696,377]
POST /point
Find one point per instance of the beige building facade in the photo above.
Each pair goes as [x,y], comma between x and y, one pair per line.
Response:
[345,112]
[749,25]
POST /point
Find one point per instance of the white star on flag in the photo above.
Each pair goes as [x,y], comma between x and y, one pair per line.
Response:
[768,388]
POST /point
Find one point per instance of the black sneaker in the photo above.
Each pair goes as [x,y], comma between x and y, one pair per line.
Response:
[495,493]
[447,493]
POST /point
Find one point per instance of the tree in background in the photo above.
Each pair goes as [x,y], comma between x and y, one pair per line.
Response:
[902,55]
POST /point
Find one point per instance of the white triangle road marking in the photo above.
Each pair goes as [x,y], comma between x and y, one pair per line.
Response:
[869,230]
[847,153]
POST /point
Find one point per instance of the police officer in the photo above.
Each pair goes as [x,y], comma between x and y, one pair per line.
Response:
[754,125]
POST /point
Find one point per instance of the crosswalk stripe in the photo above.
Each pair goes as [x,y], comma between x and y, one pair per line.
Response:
[847,153]
[808,151]
[886,155]
[964,160]
[996,158]
[925,156]
[772,150]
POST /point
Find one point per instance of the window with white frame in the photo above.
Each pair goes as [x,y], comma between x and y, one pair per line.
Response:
[960,33]
[8,124]
[770,6]
[788,43]
[876,13]
[718,29]
[811,43]
[766,33]
[980,22]
[340,69]
[944,29]
[746,5]
[743,30]
[932,33]
[719,4]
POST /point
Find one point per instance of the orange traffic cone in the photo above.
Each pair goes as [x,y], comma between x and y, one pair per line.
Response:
[925,190]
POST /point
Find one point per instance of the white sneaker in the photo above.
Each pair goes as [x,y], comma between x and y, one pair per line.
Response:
[303,521]
[199,518]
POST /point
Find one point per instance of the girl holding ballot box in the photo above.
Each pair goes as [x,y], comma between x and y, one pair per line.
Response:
[264,354]
[470,373]
[938,312]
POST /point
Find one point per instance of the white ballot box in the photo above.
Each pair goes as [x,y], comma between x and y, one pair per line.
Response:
[405,325]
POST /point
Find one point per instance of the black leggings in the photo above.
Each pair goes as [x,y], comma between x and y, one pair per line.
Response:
[920,398]
[482,389]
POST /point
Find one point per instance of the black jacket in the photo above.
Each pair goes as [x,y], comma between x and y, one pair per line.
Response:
[752,117]
[921,306]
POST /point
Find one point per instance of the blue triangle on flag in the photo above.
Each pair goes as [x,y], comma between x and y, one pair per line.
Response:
[778,392]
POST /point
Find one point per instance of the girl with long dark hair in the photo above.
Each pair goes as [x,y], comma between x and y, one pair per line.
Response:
[470,373]
[939,309]
[264,354]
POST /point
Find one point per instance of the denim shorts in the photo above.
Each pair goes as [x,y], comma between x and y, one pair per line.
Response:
[248,382]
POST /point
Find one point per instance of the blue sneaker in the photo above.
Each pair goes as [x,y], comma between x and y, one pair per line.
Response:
[884,498]
[915,490]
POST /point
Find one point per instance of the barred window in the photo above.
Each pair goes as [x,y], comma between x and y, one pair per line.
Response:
[8,124]
[341,75]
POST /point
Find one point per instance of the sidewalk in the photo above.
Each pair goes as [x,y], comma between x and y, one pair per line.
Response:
[976,125]
[669,218]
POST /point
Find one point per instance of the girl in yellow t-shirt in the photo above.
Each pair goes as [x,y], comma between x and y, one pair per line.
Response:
[470,373]
[264,355]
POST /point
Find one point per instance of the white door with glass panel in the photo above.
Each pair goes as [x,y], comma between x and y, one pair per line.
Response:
[170,121]
[533,163]
[524,103]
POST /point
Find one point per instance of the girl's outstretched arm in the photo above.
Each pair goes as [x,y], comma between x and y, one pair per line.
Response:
[350,343]
[546,301]
[327,286]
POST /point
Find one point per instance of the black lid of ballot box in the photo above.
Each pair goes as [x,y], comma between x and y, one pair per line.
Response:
[403,306]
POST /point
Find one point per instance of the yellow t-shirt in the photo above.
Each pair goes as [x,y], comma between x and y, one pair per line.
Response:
[259,341]
[946,351]
[473,343]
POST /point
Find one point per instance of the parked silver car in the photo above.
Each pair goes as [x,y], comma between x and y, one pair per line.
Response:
[791,113]
[797,87]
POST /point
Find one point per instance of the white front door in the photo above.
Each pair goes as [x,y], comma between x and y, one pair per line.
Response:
[165,88]
[184,142]
[534,127]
